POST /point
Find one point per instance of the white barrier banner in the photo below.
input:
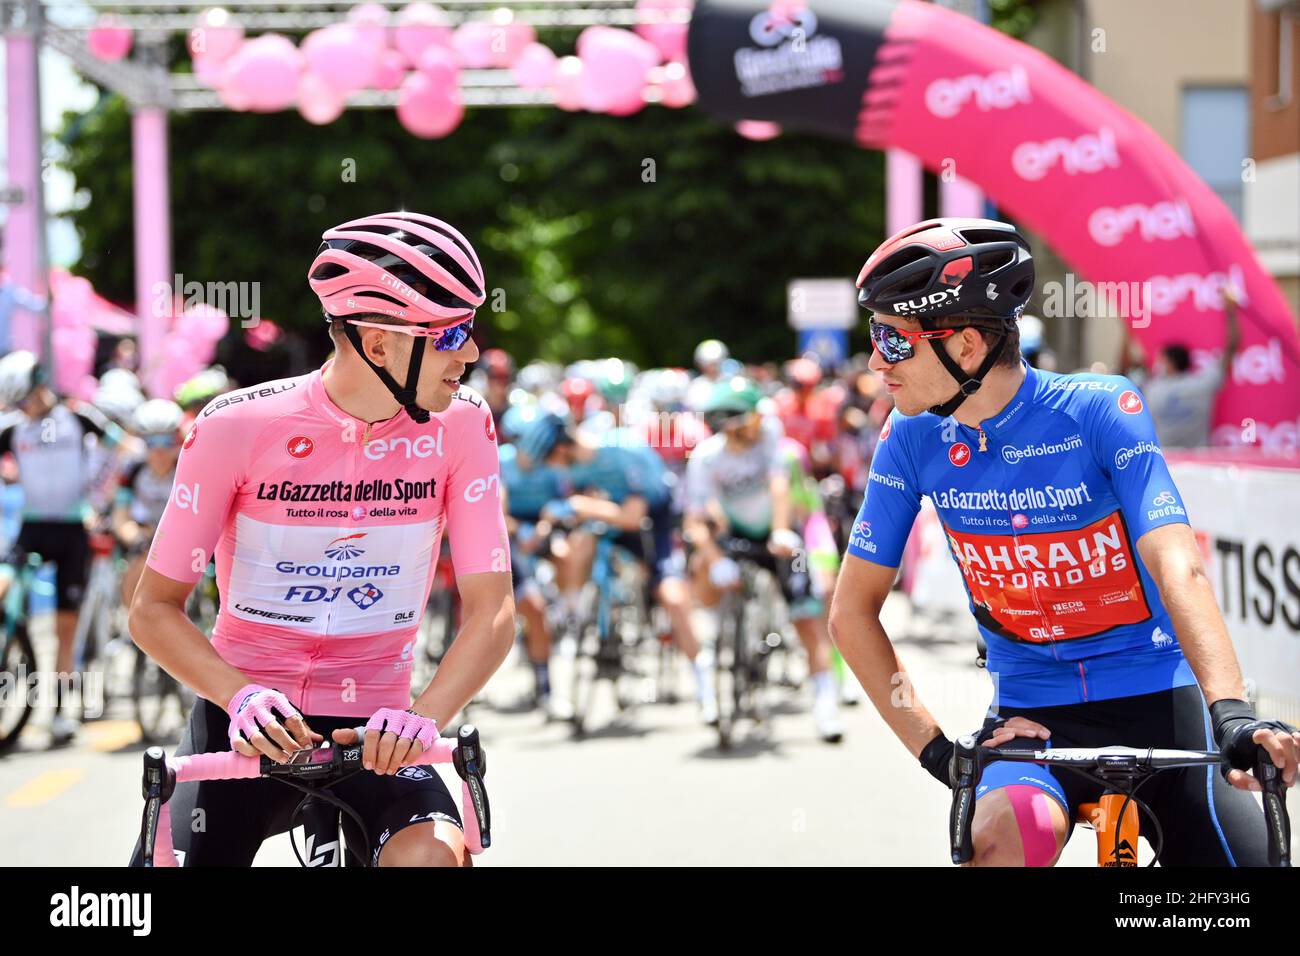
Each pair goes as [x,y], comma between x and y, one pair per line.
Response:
[1247,523]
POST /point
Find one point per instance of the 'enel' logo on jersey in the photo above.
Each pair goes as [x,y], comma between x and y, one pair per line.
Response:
[300,446]
[1130,402]
[479,487]
[425,446]
[185,499]
[959,454]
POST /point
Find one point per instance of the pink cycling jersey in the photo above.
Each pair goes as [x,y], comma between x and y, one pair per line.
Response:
[326,534]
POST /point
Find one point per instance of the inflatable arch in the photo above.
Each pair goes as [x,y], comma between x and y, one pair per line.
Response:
[1112,199]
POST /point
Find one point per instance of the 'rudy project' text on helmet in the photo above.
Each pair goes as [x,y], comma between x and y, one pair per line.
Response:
[978,270]
[401,264]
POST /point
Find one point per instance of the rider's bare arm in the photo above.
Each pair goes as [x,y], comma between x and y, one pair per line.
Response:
[1172,557]
[856,629]
[486,633]
[161,628]
[625,517]
[779,487]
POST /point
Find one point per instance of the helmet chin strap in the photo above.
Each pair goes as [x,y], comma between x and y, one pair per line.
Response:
[967,384]
[405,396]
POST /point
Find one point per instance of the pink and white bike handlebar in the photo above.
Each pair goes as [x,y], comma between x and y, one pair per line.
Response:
[320,766]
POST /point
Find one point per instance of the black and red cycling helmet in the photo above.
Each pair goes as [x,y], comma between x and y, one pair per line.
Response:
[979,269]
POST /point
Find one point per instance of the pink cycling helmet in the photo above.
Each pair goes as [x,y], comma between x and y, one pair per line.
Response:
[402,264]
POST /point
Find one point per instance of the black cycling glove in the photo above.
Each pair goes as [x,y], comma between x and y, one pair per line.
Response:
[1235,724]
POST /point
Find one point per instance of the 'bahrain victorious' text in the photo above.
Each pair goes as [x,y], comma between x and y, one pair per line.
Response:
[325,538]
[1043,525]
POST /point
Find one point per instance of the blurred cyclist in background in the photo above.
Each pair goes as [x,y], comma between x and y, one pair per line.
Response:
[55,467]
[738,486]
[146,485]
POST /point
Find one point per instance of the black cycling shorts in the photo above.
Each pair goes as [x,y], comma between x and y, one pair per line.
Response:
[1206,822]
[237,815]
[654,547]
[67,546]
[796,586]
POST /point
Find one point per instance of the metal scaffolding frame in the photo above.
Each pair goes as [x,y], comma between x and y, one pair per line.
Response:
[145,80]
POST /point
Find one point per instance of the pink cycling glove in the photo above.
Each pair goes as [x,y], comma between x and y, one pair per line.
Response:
[405,723]
[253,707]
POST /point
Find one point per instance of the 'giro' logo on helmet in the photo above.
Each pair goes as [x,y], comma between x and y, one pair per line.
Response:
[300,446]
[394,283]
[770,27]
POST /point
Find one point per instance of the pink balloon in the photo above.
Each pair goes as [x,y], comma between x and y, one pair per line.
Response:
[668,38]
[567,84]
[262,334]
[426,109]
[390,70]
[596,39]
[535,67]
[508,42]
[676,89]
[420,26]
[208,70]
[215,36]
[758,129]
[472,42]
[109,40]
[370,21]
[318,102]
[615,64]
[264,74]
[204,323]
[440,66]
[340,57]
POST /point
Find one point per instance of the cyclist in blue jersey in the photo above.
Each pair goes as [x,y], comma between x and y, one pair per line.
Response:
[527,488]
[622,486]
[1074,545]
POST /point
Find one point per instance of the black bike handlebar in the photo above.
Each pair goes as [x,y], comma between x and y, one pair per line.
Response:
[1117,763]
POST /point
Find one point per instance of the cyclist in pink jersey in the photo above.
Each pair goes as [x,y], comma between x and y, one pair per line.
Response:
[323,499]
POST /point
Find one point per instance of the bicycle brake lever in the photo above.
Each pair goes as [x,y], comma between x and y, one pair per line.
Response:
[1275,815]
[964,776]
[471,763]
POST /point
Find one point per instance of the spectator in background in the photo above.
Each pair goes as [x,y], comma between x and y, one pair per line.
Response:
[1181,398]
[125,355]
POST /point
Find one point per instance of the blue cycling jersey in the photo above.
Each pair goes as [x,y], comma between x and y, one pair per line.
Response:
[622,470]
[1043,524]
[529,490]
